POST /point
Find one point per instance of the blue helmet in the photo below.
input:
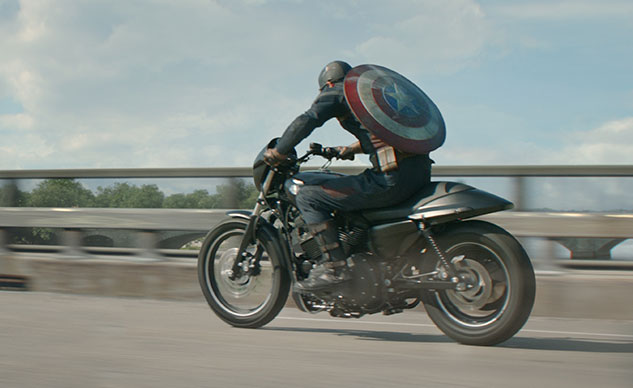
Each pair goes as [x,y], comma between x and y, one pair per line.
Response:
[333,72]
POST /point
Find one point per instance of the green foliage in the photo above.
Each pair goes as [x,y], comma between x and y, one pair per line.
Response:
[199,199]
[124,195]
[60,193]
[249,197]
[235,194]
[10,195]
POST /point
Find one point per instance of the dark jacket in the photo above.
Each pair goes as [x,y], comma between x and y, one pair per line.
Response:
[329,103]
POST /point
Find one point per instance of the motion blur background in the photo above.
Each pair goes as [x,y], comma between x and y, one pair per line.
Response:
[89,90]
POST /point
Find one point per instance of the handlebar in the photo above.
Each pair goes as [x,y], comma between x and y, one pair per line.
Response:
[326,152]
[317,149]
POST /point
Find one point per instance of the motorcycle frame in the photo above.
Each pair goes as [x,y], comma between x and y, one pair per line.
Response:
[452,207]
[253,219]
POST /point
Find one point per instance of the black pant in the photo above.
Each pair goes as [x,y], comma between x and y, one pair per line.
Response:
[371,189]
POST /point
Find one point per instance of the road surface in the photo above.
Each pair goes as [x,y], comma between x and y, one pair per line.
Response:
[66,341]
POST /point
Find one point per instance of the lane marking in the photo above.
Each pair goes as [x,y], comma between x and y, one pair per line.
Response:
[579,333]
[431,325]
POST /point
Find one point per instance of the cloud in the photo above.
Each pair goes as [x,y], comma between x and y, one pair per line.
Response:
[431,37]
[100,82]
[206,83]
[610,143]
[19,121]
[566,10]
[103,83]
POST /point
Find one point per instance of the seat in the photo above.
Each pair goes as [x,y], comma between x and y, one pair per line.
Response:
[427,194]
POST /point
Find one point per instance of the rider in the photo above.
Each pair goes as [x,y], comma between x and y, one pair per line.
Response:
[395,176]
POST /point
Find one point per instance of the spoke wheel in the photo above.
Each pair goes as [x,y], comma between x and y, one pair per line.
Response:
[500,285]
[255,296]
[487,295]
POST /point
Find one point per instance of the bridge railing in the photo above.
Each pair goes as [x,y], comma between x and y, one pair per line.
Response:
[153,229]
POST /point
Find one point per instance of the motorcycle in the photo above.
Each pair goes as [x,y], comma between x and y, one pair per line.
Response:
[473,278]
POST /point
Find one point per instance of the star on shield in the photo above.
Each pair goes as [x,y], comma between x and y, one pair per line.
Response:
[402,99]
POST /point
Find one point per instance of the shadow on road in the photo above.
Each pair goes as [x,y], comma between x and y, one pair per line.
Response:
[555,344]
[369,335]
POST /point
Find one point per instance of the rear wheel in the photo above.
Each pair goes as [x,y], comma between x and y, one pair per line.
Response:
[250,300]
[501,282]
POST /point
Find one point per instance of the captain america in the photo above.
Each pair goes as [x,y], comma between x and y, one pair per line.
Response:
[395,124]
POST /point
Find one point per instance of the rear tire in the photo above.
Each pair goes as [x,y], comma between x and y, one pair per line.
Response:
[502,296]
[249,301]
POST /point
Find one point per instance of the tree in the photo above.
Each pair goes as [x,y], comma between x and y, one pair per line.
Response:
[11,195]
[52,193]
[249,197]
[237,194]
[60,193]
[148,196]
[124,195]
[199,199]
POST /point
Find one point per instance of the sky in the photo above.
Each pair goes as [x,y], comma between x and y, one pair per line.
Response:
[206,83]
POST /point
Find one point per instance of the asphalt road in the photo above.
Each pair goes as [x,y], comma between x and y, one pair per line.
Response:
[56,340]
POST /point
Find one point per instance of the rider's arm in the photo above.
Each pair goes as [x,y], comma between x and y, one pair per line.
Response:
[355,148]
[327,105]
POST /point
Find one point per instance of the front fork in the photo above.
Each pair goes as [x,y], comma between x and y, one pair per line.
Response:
[244,261]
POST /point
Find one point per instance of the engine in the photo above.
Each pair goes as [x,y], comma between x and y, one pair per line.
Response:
[353,241]
[363,294]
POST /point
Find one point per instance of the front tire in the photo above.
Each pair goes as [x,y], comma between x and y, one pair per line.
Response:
[502,279]
[249,301]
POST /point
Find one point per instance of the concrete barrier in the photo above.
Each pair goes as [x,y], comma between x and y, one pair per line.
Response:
[565,294]
[172,279]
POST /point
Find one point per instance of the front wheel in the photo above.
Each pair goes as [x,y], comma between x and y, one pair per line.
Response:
[254,298]
[501,282]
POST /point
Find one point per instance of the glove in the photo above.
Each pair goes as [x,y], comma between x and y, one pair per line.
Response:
[273,158]
[345,153]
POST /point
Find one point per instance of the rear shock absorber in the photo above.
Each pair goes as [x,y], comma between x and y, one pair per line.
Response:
[451,272]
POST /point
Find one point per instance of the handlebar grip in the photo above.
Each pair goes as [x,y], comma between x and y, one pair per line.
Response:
[316,148]
[330,152]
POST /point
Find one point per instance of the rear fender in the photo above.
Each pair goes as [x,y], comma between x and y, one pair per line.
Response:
[460,205]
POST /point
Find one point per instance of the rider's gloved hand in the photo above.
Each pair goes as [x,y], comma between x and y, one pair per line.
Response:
[345,152]
[273,158]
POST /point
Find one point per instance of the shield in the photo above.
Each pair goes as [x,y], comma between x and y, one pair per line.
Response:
[394,109]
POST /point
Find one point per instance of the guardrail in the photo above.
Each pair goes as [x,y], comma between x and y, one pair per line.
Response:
[213,172]
[517,173]
[150,229]
[148,224]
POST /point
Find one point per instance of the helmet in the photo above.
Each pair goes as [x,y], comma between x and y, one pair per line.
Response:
[332,72]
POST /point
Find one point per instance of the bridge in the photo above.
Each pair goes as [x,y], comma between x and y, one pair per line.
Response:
[132,252]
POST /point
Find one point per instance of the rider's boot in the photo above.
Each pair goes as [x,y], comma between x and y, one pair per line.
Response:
[333,268]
